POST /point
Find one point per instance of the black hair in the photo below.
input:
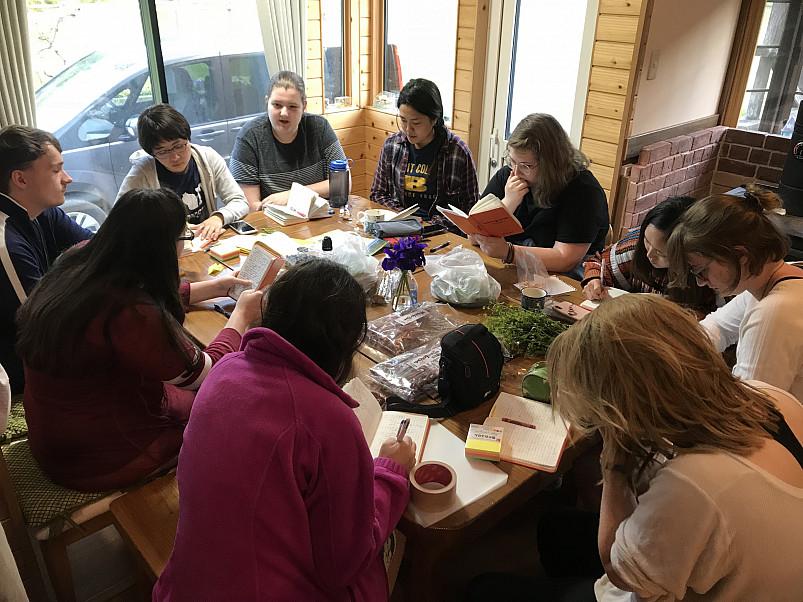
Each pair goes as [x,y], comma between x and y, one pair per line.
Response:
[319,308]
[161,123]
[20,146]
[133,253]
[424,96]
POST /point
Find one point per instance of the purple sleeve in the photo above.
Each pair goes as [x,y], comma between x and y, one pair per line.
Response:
[184,294]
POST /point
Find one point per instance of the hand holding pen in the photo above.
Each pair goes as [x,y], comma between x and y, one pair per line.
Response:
[400,448]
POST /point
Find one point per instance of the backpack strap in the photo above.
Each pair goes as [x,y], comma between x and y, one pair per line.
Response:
[438,410]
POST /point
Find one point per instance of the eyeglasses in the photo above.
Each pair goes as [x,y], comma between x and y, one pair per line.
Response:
[701,271]
[524,168]
[176,148]
[188,235]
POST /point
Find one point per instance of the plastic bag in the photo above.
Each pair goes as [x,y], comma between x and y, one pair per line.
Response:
[530,271]
[459,277]
[348,249]
[405,330]
[412,375]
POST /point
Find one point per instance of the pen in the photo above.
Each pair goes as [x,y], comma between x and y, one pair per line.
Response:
[518,423]
[220,310]
[602,273]
[213,258]
[440,246]
[402,429]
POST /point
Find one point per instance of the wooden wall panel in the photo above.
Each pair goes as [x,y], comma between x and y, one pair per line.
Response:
[620,7]
[597,151]
[603,104]
[612,54]
[617,28]
[605,79]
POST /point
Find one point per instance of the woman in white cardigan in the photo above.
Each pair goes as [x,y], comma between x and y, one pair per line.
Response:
[727,243]
[198,174]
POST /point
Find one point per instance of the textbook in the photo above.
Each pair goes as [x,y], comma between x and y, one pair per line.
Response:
[489,217]
[260,267]
[533,436]
[379,426]
[303,205]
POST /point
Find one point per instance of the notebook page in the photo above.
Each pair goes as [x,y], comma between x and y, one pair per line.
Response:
[254,268]
[529,446]
[389,426]
[369,412]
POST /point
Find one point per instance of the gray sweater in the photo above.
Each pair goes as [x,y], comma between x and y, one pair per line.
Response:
[216,179]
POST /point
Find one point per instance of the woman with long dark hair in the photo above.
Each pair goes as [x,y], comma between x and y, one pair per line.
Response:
[111,373]
[424,162]
[728,243]
[545,182]
[639,263]
[292,507]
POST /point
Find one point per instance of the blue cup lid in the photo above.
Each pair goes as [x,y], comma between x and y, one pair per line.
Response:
[339,165]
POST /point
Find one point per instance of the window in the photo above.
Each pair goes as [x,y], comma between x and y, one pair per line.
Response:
[332,42]
[92,81]
[775,88]
[420,41]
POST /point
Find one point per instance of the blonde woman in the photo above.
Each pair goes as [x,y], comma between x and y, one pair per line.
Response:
[546,184]
[720,519]
[728,244]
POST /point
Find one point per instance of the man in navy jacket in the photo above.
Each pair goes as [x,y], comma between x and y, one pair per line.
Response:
[33,229]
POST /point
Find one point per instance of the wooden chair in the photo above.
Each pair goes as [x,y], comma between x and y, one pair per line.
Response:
[55,516]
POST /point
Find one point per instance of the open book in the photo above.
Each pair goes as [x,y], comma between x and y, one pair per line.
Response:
[303,205]
[532,435]
[379,426]
[489,217]
[260,267]
[612,294]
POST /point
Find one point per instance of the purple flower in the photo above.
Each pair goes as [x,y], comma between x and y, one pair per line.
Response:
[406,254]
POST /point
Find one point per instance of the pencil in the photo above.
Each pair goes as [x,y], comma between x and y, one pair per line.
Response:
[213,258]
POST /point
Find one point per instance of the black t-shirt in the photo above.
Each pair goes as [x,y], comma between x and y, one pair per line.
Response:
[416,187]
[579,213]
[187,186]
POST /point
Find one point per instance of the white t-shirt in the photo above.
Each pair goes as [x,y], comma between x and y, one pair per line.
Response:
[711,526]
[768,334]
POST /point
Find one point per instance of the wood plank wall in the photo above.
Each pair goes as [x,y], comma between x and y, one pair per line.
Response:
[615,64]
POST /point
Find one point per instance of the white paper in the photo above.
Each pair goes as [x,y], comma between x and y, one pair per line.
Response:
[612,294]
[475,478]
[551,284]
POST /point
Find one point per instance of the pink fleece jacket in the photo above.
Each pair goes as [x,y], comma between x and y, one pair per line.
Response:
[280,498]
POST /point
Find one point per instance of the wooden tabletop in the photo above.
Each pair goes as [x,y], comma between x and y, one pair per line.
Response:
[153,538]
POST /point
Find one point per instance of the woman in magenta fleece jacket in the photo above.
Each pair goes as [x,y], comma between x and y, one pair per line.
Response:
[280,498]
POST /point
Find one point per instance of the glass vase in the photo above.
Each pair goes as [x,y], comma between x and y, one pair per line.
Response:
[405,291]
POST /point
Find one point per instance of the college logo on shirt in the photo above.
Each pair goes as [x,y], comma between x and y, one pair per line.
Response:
[416,183]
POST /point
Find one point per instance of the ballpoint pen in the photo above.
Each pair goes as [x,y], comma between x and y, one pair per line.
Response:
[220,310]
[402,429]
[443,245]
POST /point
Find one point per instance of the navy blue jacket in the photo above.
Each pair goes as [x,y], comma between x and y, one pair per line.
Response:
[27,248]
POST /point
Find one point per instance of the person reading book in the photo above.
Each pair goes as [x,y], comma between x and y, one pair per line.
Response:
[293,506]
[546,184]
[424,163]
[283,146]
[702,484]
[111,373]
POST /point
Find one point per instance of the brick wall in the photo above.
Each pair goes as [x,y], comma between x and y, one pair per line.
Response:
[746,157]
[710,161]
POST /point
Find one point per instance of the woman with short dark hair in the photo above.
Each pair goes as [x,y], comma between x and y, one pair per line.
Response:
[290,505]
[424,163]
[111,374]
[728,244]
[547,185]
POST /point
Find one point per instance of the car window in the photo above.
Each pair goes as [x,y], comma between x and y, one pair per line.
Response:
[249,84]
[191,88]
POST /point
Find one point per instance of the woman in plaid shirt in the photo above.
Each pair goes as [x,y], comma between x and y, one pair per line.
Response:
[424,162]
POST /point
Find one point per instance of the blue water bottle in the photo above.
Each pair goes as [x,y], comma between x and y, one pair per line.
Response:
[339,179]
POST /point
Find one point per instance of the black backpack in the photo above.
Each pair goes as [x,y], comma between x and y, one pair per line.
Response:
[470,369]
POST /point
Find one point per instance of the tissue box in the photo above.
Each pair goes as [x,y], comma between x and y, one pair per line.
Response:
[484,442]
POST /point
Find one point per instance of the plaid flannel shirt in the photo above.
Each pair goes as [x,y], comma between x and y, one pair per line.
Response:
[457,176]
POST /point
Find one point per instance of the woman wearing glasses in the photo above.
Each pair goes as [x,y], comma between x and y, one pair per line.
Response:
[727,243]
[197,174]
[111,374]
[561,206]
[424,163]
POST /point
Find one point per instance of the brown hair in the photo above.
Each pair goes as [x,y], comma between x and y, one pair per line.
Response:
[725,228]
[642,372]
[20,146]
[288,79]
[558,161]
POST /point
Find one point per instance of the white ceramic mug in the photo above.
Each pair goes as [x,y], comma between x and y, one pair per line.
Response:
[369,218]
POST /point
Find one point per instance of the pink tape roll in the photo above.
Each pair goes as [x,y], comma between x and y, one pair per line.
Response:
[433,486]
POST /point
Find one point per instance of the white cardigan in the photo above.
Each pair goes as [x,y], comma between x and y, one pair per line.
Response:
[216,179]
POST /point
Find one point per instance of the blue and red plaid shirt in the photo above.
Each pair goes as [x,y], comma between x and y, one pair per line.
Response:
[456,176]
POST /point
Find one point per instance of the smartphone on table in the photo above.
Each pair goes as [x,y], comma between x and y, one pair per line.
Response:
[432,230]
[242,227]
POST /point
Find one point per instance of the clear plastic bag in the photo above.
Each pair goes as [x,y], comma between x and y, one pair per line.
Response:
[411,376]
[348,249]
[459,277]
[405,330]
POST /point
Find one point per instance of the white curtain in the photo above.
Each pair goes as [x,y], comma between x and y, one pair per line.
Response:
[284,34]
[17,103]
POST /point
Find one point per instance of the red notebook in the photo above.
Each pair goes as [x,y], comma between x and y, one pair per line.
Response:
[489,217]
[260,267]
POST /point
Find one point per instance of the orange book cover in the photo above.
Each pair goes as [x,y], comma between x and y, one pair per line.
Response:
[489,217]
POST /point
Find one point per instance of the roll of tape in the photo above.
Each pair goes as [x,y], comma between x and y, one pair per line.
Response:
[433,486]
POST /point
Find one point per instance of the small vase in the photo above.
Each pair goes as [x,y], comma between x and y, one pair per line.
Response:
[405,291]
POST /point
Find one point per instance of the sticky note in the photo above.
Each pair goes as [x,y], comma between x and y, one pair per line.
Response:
[215,268]
[484,442]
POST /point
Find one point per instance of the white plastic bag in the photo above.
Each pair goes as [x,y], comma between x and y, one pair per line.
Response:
[348,249]
[459,277]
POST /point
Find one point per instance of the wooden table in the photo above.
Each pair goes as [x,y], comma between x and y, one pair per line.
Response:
[425,546]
